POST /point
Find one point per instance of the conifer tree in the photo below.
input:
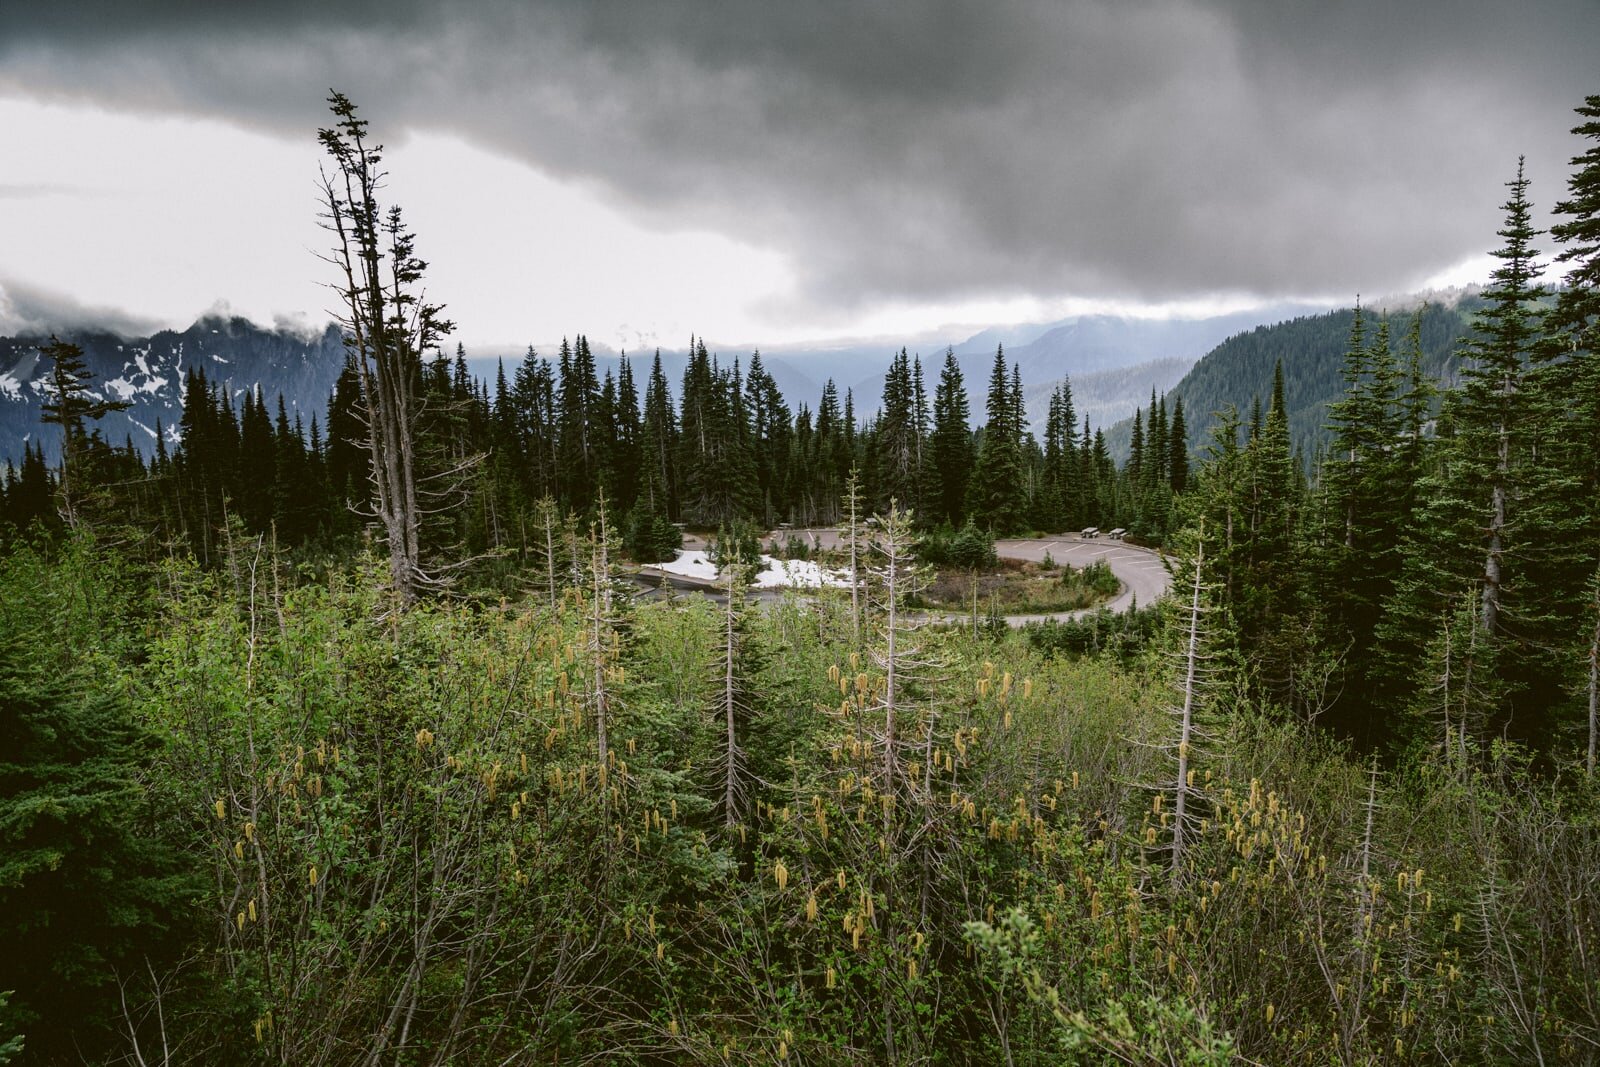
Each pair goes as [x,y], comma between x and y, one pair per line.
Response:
[897,474]
[997,490]
[71,404]
[256,464]
[1491,424]
[952,441]
[1178,457]
[660,444]
[578,399]
[1570,389]
[1058,481]
[388,324]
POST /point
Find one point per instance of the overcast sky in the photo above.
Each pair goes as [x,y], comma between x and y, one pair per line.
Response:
[769,172]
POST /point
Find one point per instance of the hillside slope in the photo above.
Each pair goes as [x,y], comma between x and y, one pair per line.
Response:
[1312,349]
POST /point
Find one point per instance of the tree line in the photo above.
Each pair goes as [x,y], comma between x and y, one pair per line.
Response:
[722,447]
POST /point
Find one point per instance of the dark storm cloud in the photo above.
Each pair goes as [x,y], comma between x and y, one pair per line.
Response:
[932,150]
[28,311]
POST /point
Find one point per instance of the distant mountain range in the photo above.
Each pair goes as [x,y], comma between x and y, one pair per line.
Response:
[148,373]
[1113,364]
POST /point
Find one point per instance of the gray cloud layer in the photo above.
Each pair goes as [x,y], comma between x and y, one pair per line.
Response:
[28,311]
[1147,150]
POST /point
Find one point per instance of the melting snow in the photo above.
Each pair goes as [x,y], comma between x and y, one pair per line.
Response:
[10,386]
[690,565]
[801,573]
[775,573]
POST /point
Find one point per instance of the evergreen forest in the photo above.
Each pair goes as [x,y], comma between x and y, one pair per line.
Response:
[356,741]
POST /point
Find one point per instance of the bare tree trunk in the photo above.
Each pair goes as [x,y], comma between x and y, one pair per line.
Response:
[600,615]
[1594,682]
[547,510]
[729,708]
[387,323]
[1494,560]
[1186,720]
[853,502]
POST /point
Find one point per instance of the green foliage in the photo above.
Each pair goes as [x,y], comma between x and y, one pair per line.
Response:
[91,887]
[735,545]
[1095,578]
[10,1047]
[1125,1029]
[968,548]
[441,774]
[651,538]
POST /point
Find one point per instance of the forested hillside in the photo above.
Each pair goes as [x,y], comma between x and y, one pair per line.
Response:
[352,742]
[1236,374]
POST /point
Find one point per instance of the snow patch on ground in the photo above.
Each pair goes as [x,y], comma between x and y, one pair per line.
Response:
[800,573]
[690,565]
[775,573]
[10,386]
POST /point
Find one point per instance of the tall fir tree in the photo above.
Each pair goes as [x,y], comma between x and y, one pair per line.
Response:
[996,494]
[951,441]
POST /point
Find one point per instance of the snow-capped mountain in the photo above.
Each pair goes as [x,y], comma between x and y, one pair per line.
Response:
[149,373]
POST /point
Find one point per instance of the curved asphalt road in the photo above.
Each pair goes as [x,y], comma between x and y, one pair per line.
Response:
[1142,573]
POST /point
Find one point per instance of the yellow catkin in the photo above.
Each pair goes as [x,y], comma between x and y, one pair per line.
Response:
[661,950]
[240,920]
[811,908]
[780,874]
[313,875]
[911,970]
[1271,1011]
[221,809]
[841,878]
[238,849]
[830,978]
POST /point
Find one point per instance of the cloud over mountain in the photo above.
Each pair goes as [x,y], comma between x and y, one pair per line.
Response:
[927,151]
